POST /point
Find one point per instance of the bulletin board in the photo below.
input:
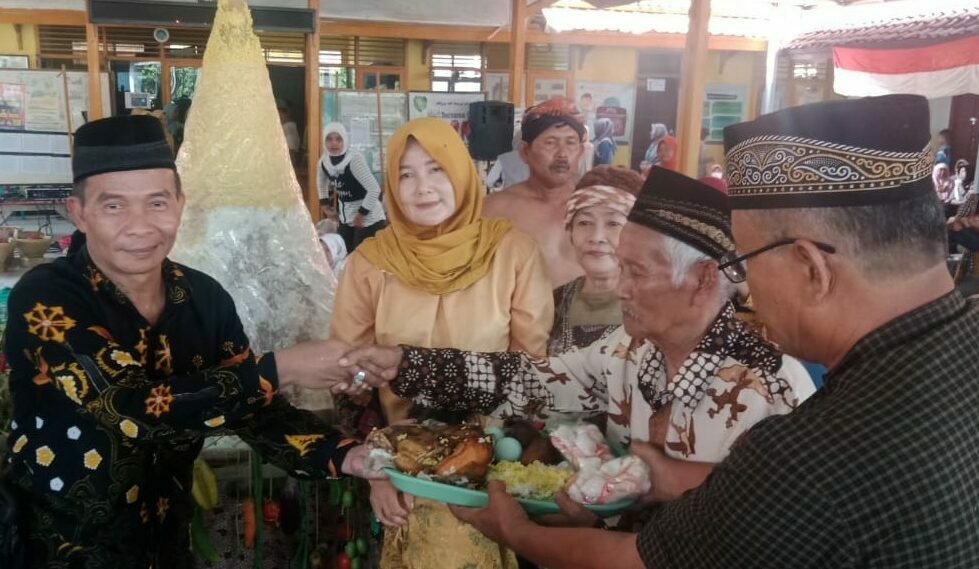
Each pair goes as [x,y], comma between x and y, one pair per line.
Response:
[370,119]
[34,123]
[724,105]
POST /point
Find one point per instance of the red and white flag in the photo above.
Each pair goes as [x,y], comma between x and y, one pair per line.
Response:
[940,70]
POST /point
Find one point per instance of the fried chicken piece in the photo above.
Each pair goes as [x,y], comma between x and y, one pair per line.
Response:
[470,459]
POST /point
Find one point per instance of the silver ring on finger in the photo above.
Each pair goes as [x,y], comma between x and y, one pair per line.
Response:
[360,377]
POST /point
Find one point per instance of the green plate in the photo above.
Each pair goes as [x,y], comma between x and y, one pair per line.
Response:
[450,494]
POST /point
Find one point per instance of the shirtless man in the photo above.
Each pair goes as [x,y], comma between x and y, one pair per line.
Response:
[551,146]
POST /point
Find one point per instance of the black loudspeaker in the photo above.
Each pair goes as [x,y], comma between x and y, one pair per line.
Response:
[491,129]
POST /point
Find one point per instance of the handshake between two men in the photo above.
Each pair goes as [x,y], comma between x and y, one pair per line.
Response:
[337,366]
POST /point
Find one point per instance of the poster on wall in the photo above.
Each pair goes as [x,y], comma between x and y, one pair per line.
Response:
[450,107]
[44,97]
[614,101]
[45,104]
[12,113]
[724,105]
[548,88]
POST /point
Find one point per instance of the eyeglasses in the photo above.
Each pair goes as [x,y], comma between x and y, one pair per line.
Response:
[733,265]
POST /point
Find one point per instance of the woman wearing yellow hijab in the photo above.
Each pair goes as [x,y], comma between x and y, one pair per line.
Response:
[440,275]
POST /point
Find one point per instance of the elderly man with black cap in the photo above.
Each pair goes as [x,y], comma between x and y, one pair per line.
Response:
[843,245]
[553,141]
[123,361]
[682,373]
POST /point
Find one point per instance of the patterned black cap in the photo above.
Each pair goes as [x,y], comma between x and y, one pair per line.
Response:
[685,209]
[833,154]
[117,144]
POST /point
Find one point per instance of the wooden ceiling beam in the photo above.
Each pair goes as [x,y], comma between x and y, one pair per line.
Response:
[490,34]
[43,17]
[368,28]
[644,41]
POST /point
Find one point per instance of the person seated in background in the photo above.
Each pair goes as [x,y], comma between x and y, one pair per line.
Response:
[657,132]
[440,275]
[587,160]
[587,308]
[960,182]
[509,168]
[943,154]
[715,176]
[291,131]
[682,373]
[942,179]
[551,145]
[344,176]
[122,362]
[336,252]
[604,142]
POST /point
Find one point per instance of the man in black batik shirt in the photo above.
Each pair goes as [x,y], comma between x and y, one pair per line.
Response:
[123,361]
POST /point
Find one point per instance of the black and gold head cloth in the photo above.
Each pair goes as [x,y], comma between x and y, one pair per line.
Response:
[833,154]
[685,209]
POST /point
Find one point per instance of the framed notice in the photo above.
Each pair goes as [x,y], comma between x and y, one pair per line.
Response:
[450,107]
[724,105]
[14,62]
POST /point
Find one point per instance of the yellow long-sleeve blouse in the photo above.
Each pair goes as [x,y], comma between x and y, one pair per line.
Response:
[509,309]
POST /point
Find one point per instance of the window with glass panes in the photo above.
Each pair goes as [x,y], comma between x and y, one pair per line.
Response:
[457,68]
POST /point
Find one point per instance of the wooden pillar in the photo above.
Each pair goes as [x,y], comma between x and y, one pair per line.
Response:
[313,114]
[518,50]
[94,72]
[692,85]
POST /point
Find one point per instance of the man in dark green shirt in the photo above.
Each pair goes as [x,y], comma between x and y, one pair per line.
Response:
[843,243]
[123,361]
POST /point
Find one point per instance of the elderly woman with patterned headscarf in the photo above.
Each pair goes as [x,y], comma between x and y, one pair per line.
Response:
[587,307]
[439,275]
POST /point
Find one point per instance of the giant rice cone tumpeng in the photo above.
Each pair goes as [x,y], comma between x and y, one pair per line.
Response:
[245,223]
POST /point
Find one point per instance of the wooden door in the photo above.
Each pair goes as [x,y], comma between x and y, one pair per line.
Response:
[657,98]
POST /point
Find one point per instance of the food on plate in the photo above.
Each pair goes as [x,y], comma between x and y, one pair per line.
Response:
[470,459]
[534,444]
[449,453]
[536,480]
[534,466]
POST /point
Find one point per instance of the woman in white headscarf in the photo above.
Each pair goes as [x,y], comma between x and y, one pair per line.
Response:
[657,133]
[335,250]
[344,172]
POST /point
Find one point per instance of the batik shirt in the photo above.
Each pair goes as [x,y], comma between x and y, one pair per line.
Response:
[732,380]
[110,412]
[878,470]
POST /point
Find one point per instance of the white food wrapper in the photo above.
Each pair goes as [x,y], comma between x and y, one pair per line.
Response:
[618,479]
[581,442]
